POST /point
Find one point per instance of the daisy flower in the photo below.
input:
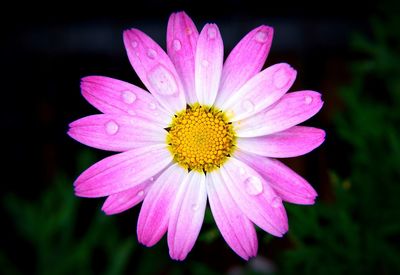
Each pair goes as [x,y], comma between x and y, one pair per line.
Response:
[208,129]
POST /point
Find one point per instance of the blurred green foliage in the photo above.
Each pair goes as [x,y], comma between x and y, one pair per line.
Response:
[359,232]
[50,227]
[64,242]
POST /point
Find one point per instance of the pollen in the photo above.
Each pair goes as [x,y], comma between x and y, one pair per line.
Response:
[201,138]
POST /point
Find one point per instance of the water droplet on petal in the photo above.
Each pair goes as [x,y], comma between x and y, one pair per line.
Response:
[248,106]
[281,78]
[122,200]
[242,171]
[276,202]
[151,53]
[111,127]
[128,97]
[176,44]
[137,53]
[151,179]
[211,32]
[195,207]
[140,193]
[163,81]
[308,99]
[261,36]
[204,63]
[253,185]
[152,106]
[134,43]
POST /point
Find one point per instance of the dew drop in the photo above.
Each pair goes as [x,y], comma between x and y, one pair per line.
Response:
[128,97]
[261,36]
[163,81]
[195,207]
[276,202]
[248,106]
[281,78]
[111,127]
[152,106]
[176,44]
[253,186]
[132,121]
[204,63]
[308,99]
[151,53]
[211,32]
[140,193]
[121,200]
[151,179]
[134,43]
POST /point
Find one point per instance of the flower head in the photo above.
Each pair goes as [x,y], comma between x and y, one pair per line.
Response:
[207,129]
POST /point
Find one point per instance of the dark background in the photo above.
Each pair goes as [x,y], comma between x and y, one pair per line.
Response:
[347,51]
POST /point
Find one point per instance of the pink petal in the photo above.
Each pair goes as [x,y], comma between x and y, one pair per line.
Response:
[112,96]
[156,208]
[209,58]
[155,69]
[290,110]
[116,132]
[187,214]
[237,230]
[119,202]
[122,171]
[244,62]
[182,38]
[293,142]
[287,184]
[257,200]
[264,89]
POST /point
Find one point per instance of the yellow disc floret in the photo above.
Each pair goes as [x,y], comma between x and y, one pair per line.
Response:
[200,138]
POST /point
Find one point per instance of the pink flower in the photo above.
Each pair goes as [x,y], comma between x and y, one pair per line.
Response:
[207,129]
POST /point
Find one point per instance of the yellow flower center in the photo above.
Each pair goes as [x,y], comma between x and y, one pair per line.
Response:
[200,138]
